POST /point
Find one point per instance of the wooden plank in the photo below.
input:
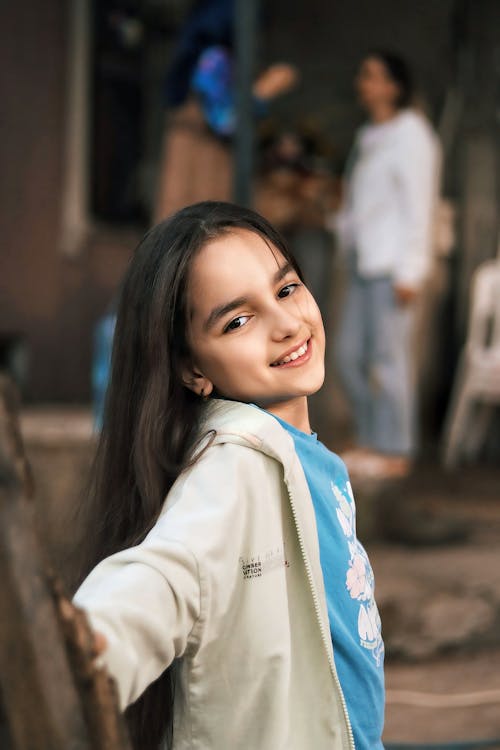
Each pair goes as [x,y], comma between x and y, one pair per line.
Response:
[13,460]
[54,697]
[97,689]
[40,698]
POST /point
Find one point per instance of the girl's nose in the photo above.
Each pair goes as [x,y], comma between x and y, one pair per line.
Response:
[285,323]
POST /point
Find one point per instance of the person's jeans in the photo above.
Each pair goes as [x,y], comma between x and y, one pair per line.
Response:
[374,359]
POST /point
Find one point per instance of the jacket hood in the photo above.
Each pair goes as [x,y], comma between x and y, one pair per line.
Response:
[245,424]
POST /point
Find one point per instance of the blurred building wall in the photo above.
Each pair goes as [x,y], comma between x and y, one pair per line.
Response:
[30,157]
[53,298]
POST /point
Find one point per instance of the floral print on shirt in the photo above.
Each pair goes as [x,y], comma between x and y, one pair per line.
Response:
[359,577]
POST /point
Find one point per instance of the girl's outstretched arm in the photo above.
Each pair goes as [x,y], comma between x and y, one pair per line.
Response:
[162,599]
[142,621]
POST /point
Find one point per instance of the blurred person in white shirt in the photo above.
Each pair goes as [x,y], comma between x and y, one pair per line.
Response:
[384,227]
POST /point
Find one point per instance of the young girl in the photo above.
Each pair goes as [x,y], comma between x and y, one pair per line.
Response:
[233,583]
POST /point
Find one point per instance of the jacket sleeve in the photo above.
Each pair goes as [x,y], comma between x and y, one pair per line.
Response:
[151,601]
[417,174]
[145,601]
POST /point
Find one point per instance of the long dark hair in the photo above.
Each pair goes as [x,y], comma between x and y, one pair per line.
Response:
[399,72]
[151,419]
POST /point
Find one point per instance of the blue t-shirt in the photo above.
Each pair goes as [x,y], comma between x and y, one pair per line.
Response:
[349,585]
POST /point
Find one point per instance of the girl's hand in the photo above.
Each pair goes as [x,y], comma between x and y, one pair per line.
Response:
[405,295]
[275,80]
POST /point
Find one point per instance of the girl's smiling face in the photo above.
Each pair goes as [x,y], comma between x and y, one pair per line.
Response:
[255,333]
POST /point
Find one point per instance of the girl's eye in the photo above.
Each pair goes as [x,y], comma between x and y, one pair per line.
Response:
[287,290]
[236,323]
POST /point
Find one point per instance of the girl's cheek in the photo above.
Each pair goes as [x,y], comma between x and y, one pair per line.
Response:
[312,313]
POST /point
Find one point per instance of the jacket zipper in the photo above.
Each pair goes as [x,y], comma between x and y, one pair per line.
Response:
[324,637]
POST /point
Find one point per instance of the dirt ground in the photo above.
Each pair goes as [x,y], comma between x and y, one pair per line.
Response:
[474,676]
[437,551]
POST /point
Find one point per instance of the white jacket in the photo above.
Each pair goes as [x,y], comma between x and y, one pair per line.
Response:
[389,210]
[229,582]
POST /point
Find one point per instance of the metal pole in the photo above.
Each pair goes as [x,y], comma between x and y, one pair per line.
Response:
[245,33]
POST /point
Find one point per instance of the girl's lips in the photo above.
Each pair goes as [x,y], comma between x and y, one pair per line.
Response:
[300,360]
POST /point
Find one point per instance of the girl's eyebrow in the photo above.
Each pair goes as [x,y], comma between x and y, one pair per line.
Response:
[218,312]
[282,272]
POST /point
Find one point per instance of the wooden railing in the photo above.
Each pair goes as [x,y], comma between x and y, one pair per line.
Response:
[54,695]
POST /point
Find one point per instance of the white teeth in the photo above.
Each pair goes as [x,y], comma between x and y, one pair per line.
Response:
[293,356]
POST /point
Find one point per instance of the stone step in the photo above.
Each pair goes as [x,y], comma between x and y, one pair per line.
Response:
[434,543]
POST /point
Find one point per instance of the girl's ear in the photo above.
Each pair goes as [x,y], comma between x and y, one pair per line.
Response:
[196,381]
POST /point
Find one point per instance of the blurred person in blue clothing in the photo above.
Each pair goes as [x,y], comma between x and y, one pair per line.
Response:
[385,230]
[196,161]
[101,363]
